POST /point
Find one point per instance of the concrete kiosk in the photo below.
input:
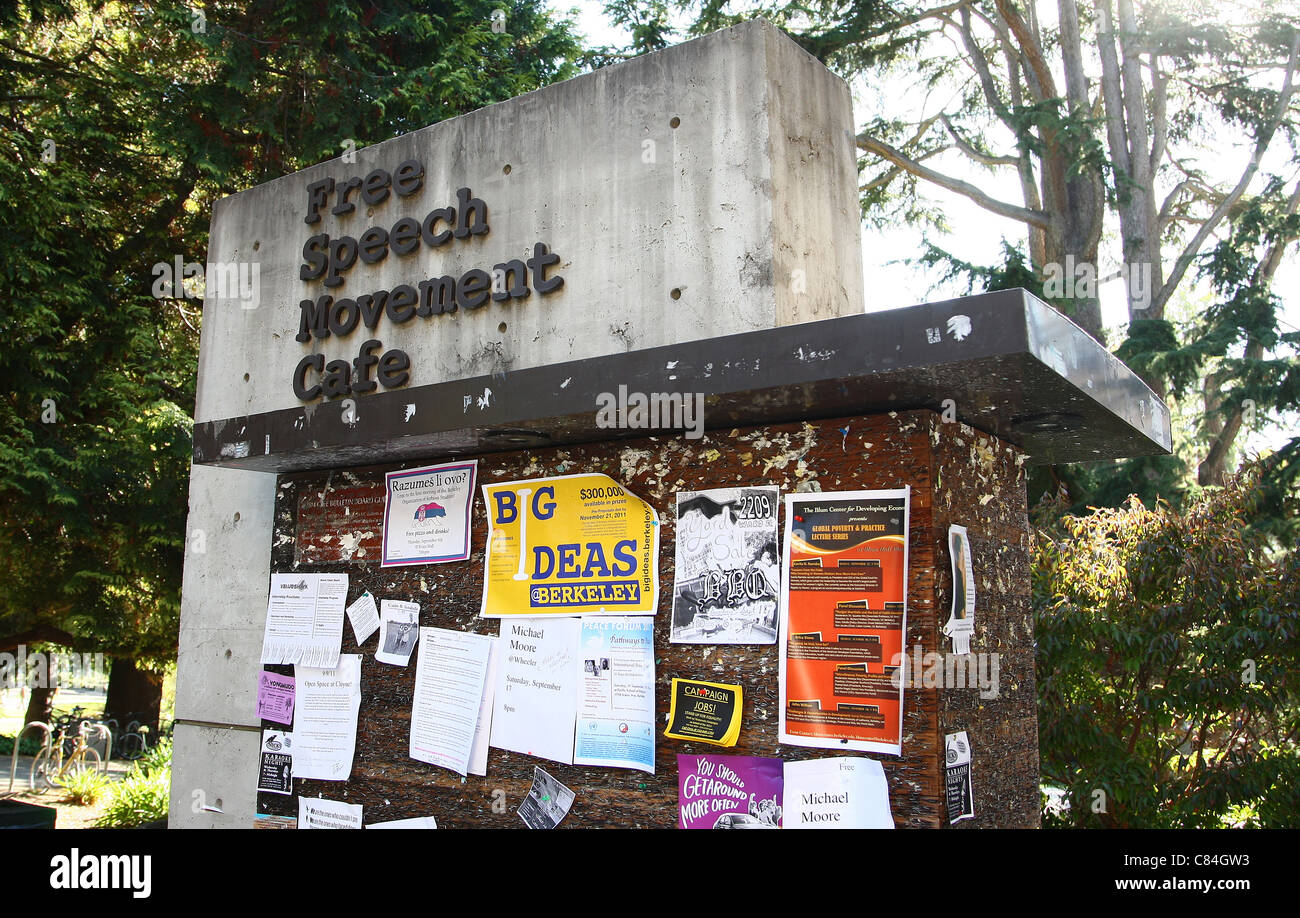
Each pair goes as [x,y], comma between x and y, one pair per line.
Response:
[685,222]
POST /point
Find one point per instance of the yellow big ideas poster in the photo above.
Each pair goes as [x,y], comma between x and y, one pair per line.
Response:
[569,545]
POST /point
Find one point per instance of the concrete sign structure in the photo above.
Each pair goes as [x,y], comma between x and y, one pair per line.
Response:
[703,190]
[677,224]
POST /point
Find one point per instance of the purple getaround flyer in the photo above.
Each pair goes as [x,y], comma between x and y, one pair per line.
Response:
[728,792]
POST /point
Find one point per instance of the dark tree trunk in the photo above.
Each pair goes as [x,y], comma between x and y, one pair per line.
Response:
[40,706]
[133,694]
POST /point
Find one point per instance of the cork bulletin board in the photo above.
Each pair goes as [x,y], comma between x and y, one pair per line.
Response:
[325,521]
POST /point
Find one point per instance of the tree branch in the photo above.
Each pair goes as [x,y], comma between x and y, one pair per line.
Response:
[1208,227]
[1116,133]
[898,158]
[980,156]
[894,171]
[1211,468]
[1038,64]
[1166,209]
[981,65]
[1159,121]
[159,220]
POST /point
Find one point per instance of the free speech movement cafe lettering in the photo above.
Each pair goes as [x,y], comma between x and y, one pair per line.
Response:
[330,259]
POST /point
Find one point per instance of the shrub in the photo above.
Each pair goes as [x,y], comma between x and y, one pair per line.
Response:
[141,797]
[1168,677]
[31,745]
[160,756]
[86,787]
[137,799]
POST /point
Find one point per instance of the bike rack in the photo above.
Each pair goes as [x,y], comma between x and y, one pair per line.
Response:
[13,759]
[100,734]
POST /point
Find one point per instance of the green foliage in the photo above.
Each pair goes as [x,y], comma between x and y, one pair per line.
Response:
[1014,271]
[84,788]
[142,796]
[30,745]
[1244,312]
[156,758]
[647,20]
[1168,647]
[138,799]
[121,125]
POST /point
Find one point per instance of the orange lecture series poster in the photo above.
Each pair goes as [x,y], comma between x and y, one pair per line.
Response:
[843,620]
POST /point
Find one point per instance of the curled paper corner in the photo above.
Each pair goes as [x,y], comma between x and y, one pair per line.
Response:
[961,621]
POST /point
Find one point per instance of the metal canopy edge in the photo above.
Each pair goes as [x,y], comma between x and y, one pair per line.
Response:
[1005,363]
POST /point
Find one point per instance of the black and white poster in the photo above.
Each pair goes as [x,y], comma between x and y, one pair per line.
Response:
[547,803]
[399,631]
[728,575]
[961,801]
[275,775]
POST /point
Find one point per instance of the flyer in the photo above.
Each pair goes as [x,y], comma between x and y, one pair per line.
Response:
[398,632]
[268,821]
[275,773]
[843,618]
[961,621]
[569,545]
[478,752]
[325,732]
[840,793]
[728,577]
[304,619]
[275,697]
[547,803]
[957,777]
[415,822]
[729,792]
[427,514]
[534,708]
[616,694]
[364,617]
[708,712]
[448,693]
[319,813]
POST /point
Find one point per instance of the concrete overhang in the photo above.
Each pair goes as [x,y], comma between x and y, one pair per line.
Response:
[1003,362]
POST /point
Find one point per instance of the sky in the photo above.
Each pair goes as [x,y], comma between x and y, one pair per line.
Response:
[890,282]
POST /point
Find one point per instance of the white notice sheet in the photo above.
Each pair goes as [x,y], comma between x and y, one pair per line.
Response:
[449,679]
[535,707]
[840,793]
[325,720]
[364,617]
[304,619]
[319,813]
[482,732]
[415,822]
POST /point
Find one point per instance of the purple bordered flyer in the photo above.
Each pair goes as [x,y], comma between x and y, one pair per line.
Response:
[427,514]
[729,792]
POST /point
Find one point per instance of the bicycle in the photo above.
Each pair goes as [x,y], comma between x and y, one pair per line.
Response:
[133,742]
[99,737]
[52,767]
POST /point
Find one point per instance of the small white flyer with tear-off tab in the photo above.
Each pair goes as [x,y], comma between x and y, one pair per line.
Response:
[961,623]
